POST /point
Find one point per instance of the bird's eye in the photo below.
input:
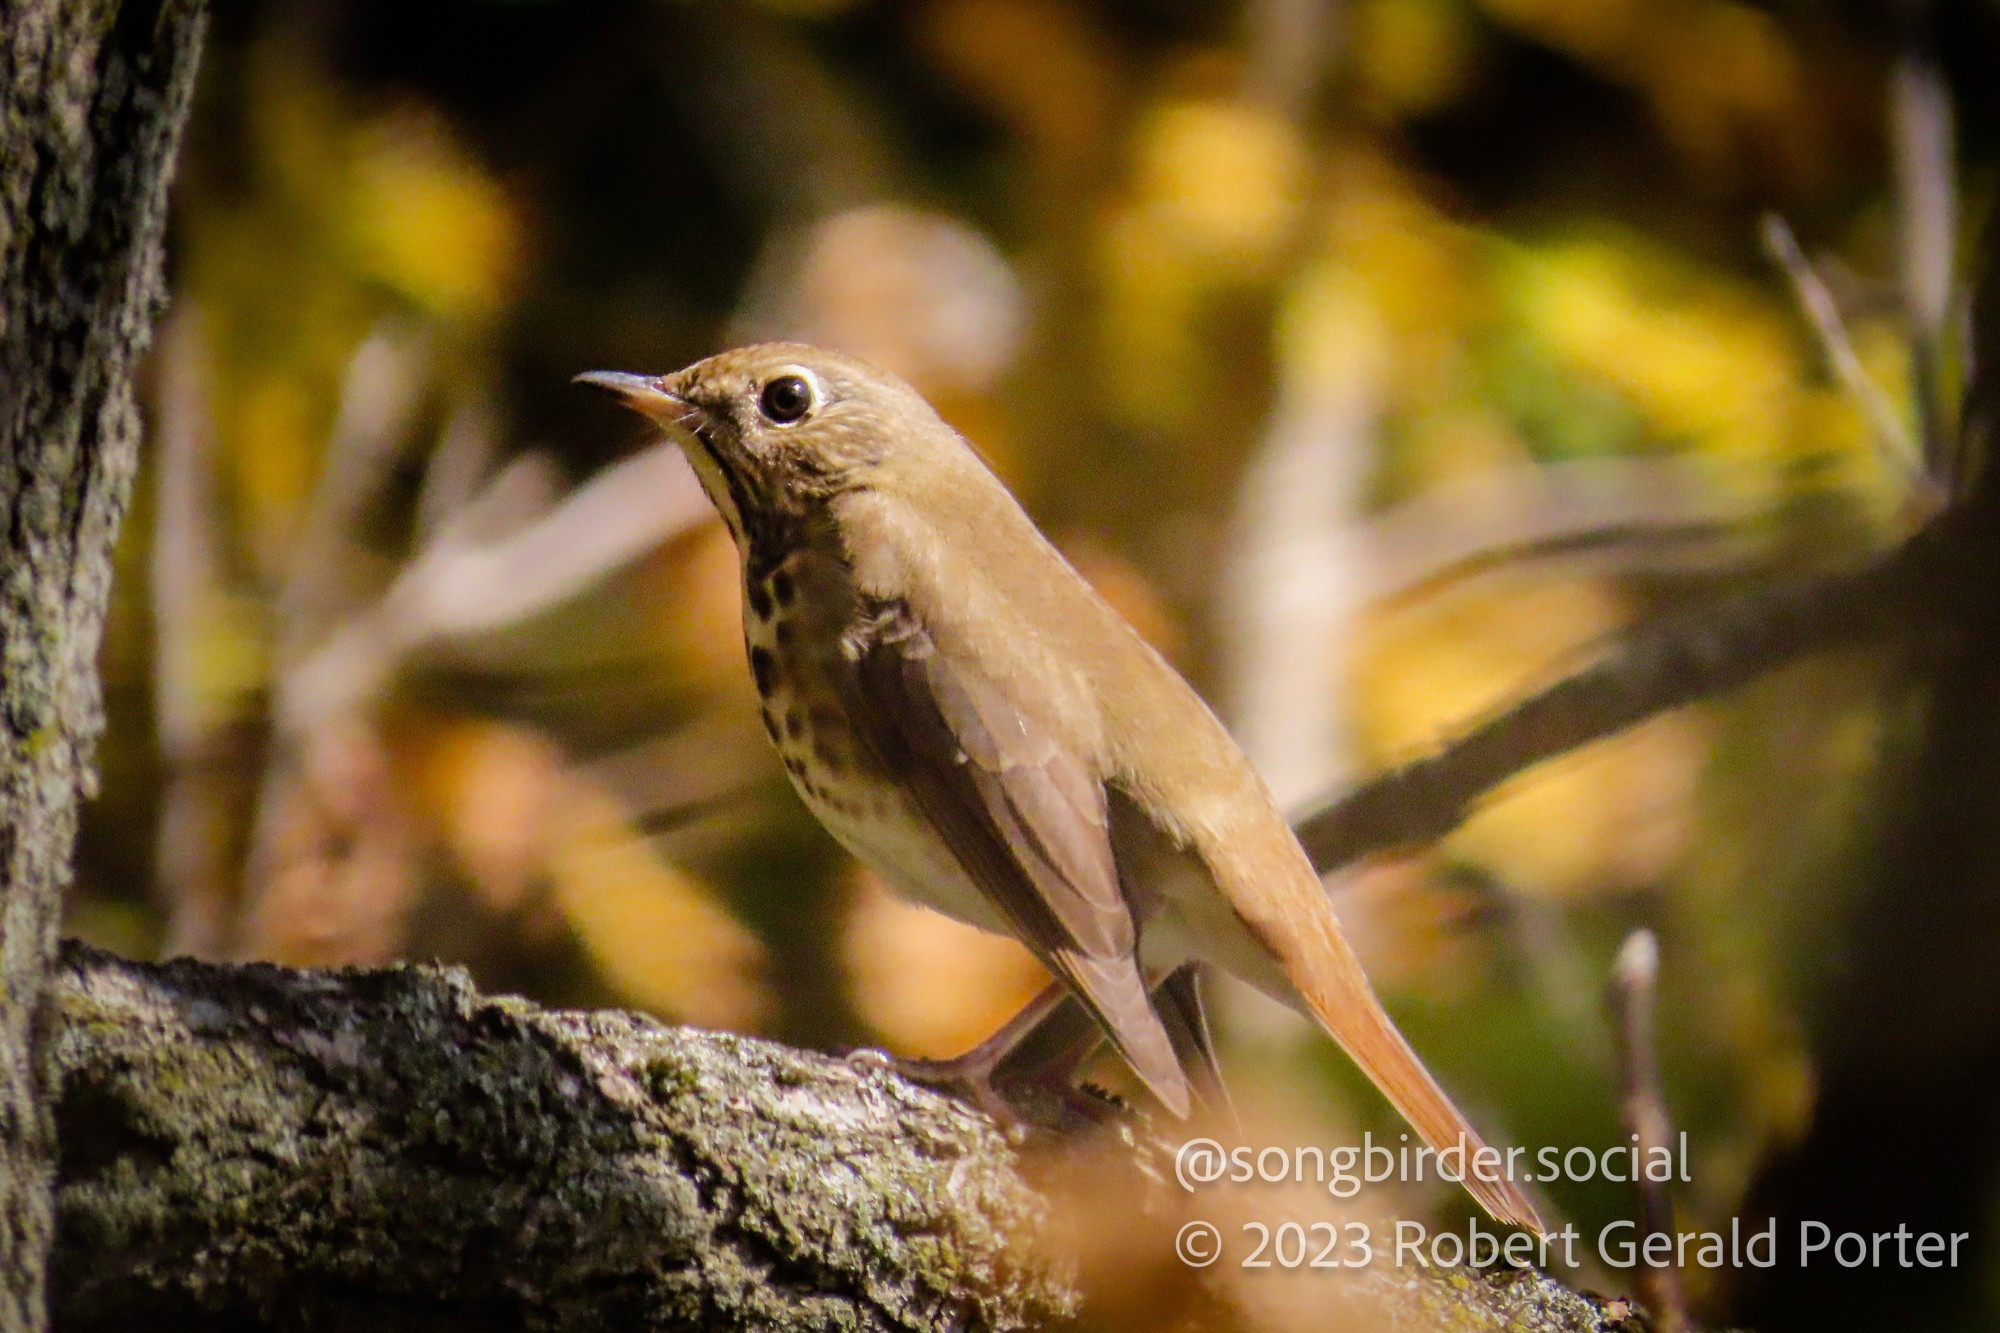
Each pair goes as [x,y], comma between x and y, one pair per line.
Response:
[786,399]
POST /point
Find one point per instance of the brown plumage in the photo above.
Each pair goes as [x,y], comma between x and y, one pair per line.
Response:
[970,718]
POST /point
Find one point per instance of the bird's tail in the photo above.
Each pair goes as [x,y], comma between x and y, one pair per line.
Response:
[1330,979]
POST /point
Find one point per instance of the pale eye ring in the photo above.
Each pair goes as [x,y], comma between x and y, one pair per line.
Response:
[787,399]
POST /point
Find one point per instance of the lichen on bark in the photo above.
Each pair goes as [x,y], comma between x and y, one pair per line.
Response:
[287,1149]
[93,94]
[256,1147]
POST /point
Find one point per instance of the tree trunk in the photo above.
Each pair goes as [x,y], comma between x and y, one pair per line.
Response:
[95,93]
[1906,1130]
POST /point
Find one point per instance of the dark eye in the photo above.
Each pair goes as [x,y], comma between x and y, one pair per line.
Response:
[786,399]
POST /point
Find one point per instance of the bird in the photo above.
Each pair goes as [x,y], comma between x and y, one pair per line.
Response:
[969,718]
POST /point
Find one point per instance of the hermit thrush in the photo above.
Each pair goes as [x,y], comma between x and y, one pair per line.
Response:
[969,718]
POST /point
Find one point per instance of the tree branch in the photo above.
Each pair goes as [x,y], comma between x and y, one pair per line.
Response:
[1653,668]
[309,1149]
[254,1147]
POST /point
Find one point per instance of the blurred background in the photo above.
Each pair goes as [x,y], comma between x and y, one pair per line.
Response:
[1378,358]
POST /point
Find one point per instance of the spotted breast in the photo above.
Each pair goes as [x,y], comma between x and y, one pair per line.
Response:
[797,614]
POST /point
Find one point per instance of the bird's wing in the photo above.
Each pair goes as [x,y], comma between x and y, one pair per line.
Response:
[1023,816]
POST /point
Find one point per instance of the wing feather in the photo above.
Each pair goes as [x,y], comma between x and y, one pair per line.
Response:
[1022,815]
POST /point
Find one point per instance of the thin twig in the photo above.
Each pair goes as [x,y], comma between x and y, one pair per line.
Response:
[192,863]
[473,579]
[184,553]
[1653,668]
[1644,1113]
[461,461]
[378,399]
[1628,513]
[1920,128]
[1892,437]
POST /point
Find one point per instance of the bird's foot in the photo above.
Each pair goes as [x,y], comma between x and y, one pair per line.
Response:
[869,1057]
[1027,1099]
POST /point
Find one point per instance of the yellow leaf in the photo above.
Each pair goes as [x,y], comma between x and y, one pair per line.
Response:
[428,221]
[1412,55]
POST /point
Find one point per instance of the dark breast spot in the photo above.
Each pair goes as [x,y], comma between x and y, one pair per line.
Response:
[781,587]
[829,753]
[760,601]
[795,724]
[764,668]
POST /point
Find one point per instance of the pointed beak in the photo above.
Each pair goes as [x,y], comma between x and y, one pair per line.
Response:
[646,395]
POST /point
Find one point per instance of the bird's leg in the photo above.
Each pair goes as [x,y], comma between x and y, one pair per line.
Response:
[1178,998]
[1031,1065]
[1037,1051]
[1056,1049]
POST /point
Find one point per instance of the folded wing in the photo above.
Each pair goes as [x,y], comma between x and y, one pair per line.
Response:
[1024,817]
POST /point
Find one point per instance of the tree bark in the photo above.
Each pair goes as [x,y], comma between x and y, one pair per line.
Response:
[253,1147]
[92,97]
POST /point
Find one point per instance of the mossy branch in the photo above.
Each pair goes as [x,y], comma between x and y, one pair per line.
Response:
[255,1147]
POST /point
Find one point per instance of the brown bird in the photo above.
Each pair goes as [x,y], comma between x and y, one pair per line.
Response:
[969,718]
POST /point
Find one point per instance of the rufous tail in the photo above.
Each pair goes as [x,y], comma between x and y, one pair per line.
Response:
[1337,991]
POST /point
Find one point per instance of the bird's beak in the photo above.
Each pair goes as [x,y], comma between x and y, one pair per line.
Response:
[646,395]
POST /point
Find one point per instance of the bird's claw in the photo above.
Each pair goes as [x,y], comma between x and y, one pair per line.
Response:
[1013,1100]
[869,1058]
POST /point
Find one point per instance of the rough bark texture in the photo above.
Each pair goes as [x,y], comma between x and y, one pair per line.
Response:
[92,97]
[253,1147]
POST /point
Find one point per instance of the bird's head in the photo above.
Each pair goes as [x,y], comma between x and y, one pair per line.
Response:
[777,430]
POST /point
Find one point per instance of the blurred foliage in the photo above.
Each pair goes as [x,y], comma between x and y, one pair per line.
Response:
[1461,245]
